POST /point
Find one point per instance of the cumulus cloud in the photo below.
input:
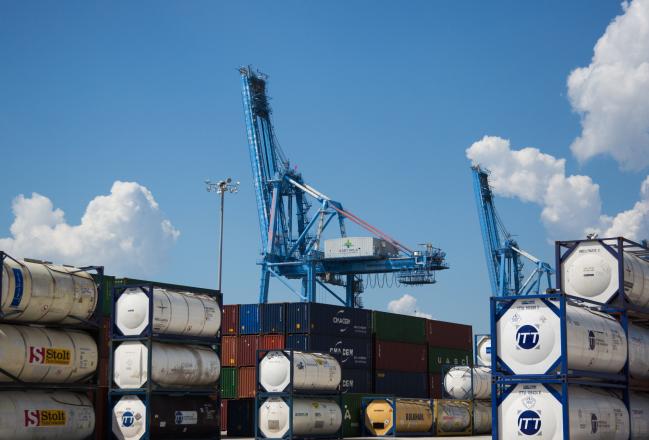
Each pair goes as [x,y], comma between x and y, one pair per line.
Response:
[612,93]
[124,231]
[571,204]
[407,305]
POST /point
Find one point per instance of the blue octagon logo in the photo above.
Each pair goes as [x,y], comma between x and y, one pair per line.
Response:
[128,419]
[527,337]
[179,418]
[529,422]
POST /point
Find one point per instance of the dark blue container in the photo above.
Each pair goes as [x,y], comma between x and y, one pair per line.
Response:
[401,384]
[356,380]
[249,319]
[328,319]
[351,352]
[273,318]
[241,416]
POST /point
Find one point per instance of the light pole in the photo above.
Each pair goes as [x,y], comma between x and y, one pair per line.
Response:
[221,187]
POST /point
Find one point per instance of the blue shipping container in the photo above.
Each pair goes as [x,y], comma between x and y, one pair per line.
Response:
[356,380]
[351,352]
[241,416]
[273,318]
[249,319]
[401,384]
[328,319]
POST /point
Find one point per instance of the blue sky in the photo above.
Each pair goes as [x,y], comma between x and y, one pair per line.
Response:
[375,102]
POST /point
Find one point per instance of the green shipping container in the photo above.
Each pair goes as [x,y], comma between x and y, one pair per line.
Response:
[229,381]
[439,357]
[106,295]
[399,328]
[352,417]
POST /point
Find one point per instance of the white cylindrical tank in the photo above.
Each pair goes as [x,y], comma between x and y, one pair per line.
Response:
[639,409]
[172,365]
[459,384]
[36,415]
[37,292]
[591,271]
[481,416]
[179,313]
[452,415]
[129,418]
[532,411]
[311,371]
[638,352]
[36,354]
[529,338]
[483,351]
[310,417]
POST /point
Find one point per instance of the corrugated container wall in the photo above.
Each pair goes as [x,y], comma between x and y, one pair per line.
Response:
[328,319]
[356,380]
[241,416]
[249,319]
[401,384]
[272,342]
[273,318]
[399,328]
[351,352]
[247,350]
[355,247]
[230,320]
[436,386]
[106,294]
[229,379]
[229,351]
[247,383]
[400,356]
[352,417]
[224,415]
[449,335]
[439,357]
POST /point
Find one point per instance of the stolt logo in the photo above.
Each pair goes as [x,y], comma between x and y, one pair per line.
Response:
[529,422]
[49,356]
[45,417]
[128,419]
[527,337]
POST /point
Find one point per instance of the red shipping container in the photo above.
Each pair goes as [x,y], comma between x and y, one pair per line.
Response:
[436,387]
[230,320]
[272,342]
[104,338]
[224,415]
[247,382]
[400,356]
[229,351]
[247,350]
[449,335]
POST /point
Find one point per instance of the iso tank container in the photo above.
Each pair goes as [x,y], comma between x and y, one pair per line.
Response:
[638,352]
[449,335]
[42,355]
[452,417]
[326,319]
[356,380]
[272,318]
[230,325]
[351,352]
[529,338]
[229,381]
[482,417]
[482,350]
[468,383]
[400,356]
[639,410]
[310,372]
[171,417]
[241,416]
[249,319]
[177,313]
[46,293]
[310,417]
[247,346]
[59,415]
[592,271]
[441,359]
[399,328]
[410,417]
[400,384]
[533,411]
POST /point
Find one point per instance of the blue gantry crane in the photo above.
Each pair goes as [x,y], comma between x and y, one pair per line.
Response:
[291,231]
[504,256]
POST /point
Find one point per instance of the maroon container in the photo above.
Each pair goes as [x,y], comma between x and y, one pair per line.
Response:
[247,350]
[230,320]
[229,351]
[104,337]
[400,356]
[272,342]
[436,390]
[247,382]
[224,415]
[449,335]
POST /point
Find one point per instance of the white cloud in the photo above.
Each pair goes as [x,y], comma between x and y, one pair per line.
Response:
[407,305]
[124,231]
[571,205]
[612,93]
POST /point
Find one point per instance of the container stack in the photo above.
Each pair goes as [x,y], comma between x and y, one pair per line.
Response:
[49,349]
[165,368]
[575,364]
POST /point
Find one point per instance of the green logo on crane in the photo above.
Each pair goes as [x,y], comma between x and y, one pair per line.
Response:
[348,244]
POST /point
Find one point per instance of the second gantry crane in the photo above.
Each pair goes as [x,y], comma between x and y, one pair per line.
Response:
[291,232]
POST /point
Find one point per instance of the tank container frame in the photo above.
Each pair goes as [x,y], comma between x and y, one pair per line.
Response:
[147,338]
[392,401]
[477,338]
